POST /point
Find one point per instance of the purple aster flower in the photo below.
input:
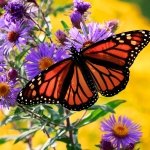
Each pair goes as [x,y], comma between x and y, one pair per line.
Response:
[8,92]
[81,6]
[61,36]
[18,10]
[42,58]
[14,11]
[15,35]
[91,33]
[122,132]
[76,19]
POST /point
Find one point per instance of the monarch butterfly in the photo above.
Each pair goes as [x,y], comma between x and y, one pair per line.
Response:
[75,82]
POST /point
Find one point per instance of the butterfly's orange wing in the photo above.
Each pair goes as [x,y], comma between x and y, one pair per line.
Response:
[61,83]
[109,60]
[79,95]
[47,86]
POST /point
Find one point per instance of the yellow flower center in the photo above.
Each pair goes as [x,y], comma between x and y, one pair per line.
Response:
[13,36]
[87,43]
[120,130]
[4,89]
[45,62]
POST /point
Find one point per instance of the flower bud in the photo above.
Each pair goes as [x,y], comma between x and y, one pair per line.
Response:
[12,74]
[81,6]
[106,145]
[61,36]
[112,25]
[76,19]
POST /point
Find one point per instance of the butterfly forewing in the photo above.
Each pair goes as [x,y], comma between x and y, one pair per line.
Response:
[120,49]
[47,86]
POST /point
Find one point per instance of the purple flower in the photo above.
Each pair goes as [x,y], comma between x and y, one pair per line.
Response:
[91,33]
[8,92]
[76,19]
[42,58]
[15,35]
[81,6]
[120,133]
[14,11]
[17,10]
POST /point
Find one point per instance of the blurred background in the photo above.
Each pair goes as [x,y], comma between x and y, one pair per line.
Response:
[133,15]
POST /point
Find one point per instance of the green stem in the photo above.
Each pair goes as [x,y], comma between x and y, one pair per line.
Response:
[68,125]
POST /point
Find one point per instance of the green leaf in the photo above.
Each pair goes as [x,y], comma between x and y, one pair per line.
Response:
[51,142]
[46,144]
[97,145]
[48,32]
[102,107]
[98,113]
[65,26]
[64,139]
[10,119]
[5,139]
[21,54]
[60,110]
[54,114]
[61,9]
[18,111]
[25,134]
[76,146]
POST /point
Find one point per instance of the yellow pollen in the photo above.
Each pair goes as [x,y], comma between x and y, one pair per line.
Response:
[13,36]
[87,43]
[4,89]
[45,62]
[120,130]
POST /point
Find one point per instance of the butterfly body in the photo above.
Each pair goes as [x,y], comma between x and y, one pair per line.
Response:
[75,82]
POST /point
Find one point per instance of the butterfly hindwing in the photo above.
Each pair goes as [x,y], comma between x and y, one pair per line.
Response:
[109,81]
[79,94]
